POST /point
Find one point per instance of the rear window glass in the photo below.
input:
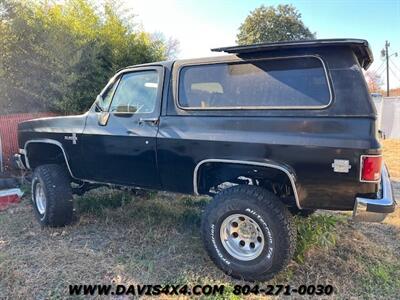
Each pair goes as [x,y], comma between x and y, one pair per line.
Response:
[275,83]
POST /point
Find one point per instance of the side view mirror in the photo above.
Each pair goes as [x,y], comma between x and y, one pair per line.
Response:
[103,118]
[98,102]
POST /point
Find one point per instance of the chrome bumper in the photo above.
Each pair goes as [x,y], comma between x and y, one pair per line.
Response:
[375,210]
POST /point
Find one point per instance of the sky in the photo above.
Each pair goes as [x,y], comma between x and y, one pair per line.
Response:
[205,24]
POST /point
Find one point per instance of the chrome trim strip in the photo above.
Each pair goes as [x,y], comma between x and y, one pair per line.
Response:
[47,141]
[117,77]
[176,86]
[243,162]
[361,166]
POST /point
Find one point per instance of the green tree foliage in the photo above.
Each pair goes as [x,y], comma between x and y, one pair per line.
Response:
[57,56]
[270,24]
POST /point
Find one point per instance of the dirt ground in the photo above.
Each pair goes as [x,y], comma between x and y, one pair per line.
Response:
[154,238]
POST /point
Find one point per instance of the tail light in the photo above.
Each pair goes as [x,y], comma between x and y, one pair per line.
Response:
[371,166]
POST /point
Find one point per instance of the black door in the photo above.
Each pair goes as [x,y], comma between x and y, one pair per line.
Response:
[119,140]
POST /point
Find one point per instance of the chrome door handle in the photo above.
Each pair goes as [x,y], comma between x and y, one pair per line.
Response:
[154,121]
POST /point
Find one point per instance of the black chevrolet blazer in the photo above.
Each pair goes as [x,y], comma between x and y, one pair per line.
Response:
[270,130]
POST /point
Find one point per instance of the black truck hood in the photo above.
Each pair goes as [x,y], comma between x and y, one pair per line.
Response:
[54,124]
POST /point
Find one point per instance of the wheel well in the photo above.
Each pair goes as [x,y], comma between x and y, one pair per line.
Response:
[212,175]
[44,153]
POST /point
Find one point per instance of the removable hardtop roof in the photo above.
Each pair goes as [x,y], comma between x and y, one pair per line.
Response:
[360,48]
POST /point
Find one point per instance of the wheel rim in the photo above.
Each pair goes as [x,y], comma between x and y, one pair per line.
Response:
[242,237]
[40,199]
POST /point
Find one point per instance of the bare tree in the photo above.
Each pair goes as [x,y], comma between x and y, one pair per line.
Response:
[374,81]
[172,46]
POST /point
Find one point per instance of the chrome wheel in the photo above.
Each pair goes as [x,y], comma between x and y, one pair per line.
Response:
[40,198]
[242,237]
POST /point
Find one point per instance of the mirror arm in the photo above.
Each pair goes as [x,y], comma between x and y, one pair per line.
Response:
[98,107]
[103,118]
[99,98]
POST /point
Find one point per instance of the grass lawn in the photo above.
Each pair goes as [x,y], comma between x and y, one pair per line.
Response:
[154,238]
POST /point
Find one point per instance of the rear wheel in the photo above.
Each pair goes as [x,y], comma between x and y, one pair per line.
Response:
[52,195]
[248,233]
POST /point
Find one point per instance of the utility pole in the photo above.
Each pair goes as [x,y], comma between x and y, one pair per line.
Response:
[385,54]
[387,44]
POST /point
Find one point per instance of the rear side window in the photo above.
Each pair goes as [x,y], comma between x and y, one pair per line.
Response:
[299,82]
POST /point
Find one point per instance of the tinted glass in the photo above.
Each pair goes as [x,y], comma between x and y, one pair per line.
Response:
[107,96]
[291,82]
[136,93]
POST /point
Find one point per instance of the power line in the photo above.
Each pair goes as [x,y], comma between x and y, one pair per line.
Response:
[377,69]
[395,65]
[380,74]
[390,68]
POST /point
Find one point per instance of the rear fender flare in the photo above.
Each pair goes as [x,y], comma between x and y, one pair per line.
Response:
[289,173]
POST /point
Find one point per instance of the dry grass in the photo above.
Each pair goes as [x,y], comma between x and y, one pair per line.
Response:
[154,238]
[391,154]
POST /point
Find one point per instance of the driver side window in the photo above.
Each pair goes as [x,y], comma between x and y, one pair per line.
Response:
[104,103]
[136,93]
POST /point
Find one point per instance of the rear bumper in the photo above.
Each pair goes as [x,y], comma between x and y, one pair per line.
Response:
[375,210]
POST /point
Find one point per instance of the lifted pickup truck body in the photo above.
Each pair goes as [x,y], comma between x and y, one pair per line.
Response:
[197,133]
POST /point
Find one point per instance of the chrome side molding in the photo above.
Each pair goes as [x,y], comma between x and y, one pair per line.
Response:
[244,162]
[47,141]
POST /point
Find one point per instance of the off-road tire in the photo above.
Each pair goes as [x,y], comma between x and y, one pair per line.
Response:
[271,216]
[56,185]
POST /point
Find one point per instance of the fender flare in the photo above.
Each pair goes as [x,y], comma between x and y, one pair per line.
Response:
[273,165]
[47,141]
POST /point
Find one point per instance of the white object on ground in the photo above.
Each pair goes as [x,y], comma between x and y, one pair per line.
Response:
[10,192]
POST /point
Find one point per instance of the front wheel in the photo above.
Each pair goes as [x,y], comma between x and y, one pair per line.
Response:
[248,233]
[52,195]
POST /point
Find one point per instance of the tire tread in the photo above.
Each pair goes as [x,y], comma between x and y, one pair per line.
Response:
[58,194]
[266,201]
